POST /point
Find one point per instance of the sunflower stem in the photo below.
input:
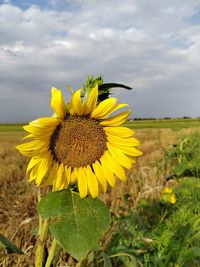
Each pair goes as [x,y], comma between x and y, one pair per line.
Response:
[42,232]
[57,255]
[40,218]
[51,253]
[41,244]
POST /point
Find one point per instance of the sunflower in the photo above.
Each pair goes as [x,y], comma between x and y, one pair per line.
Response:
[82,143]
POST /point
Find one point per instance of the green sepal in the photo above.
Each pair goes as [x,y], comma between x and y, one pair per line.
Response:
[104,88]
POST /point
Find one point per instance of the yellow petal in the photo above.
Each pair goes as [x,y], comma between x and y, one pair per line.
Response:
[91,181]
[73,177]
[38,131]
[115,167]
[76,105]
[116,140]
[52,175]
[82,182]
[32,148]
[132,151]
[28,136]
[67,174]
[43,167]
[113,109]
[63,185]
[45,122]
[103,108]
[32,163]
[35,144]
[58,182]
[65,180]
[33,173]
[58,103]
[99,174]
[119,156]
[91,100]
[118,106]
[107,171]
[32,153]
[119,131]
[116,120]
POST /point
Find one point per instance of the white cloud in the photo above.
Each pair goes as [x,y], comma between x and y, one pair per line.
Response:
[150,45]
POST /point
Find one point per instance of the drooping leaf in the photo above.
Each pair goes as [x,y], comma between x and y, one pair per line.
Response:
[77,224]
[9,246]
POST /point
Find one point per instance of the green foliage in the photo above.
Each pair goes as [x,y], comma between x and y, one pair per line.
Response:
[175,124]
[11,127]
[161,234]
[185,157]
[8,246]
[77,224]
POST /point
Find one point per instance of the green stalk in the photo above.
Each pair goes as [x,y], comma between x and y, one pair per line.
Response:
[51,253]
[41,243]
[42,232]
[40,218]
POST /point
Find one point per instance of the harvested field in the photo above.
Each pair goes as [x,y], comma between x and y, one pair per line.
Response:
[19,199]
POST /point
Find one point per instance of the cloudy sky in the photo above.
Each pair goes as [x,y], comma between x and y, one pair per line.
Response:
[150,45]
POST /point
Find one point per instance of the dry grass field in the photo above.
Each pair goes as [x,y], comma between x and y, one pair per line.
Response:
[18,216]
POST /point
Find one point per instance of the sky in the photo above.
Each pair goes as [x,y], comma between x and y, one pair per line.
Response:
[152,46]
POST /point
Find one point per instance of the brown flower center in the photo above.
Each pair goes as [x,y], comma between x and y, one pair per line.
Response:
[78,141]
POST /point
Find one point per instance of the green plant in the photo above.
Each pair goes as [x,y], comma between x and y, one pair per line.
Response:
[185,157]
[161,234]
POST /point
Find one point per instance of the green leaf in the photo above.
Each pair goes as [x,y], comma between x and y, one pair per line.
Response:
[107,262]
[8,246]
[77,224]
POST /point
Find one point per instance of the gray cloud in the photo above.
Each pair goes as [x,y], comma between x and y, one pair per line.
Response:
[152,46]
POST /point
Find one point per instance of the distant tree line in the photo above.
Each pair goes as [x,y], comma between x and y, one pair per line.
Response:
[165,118]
